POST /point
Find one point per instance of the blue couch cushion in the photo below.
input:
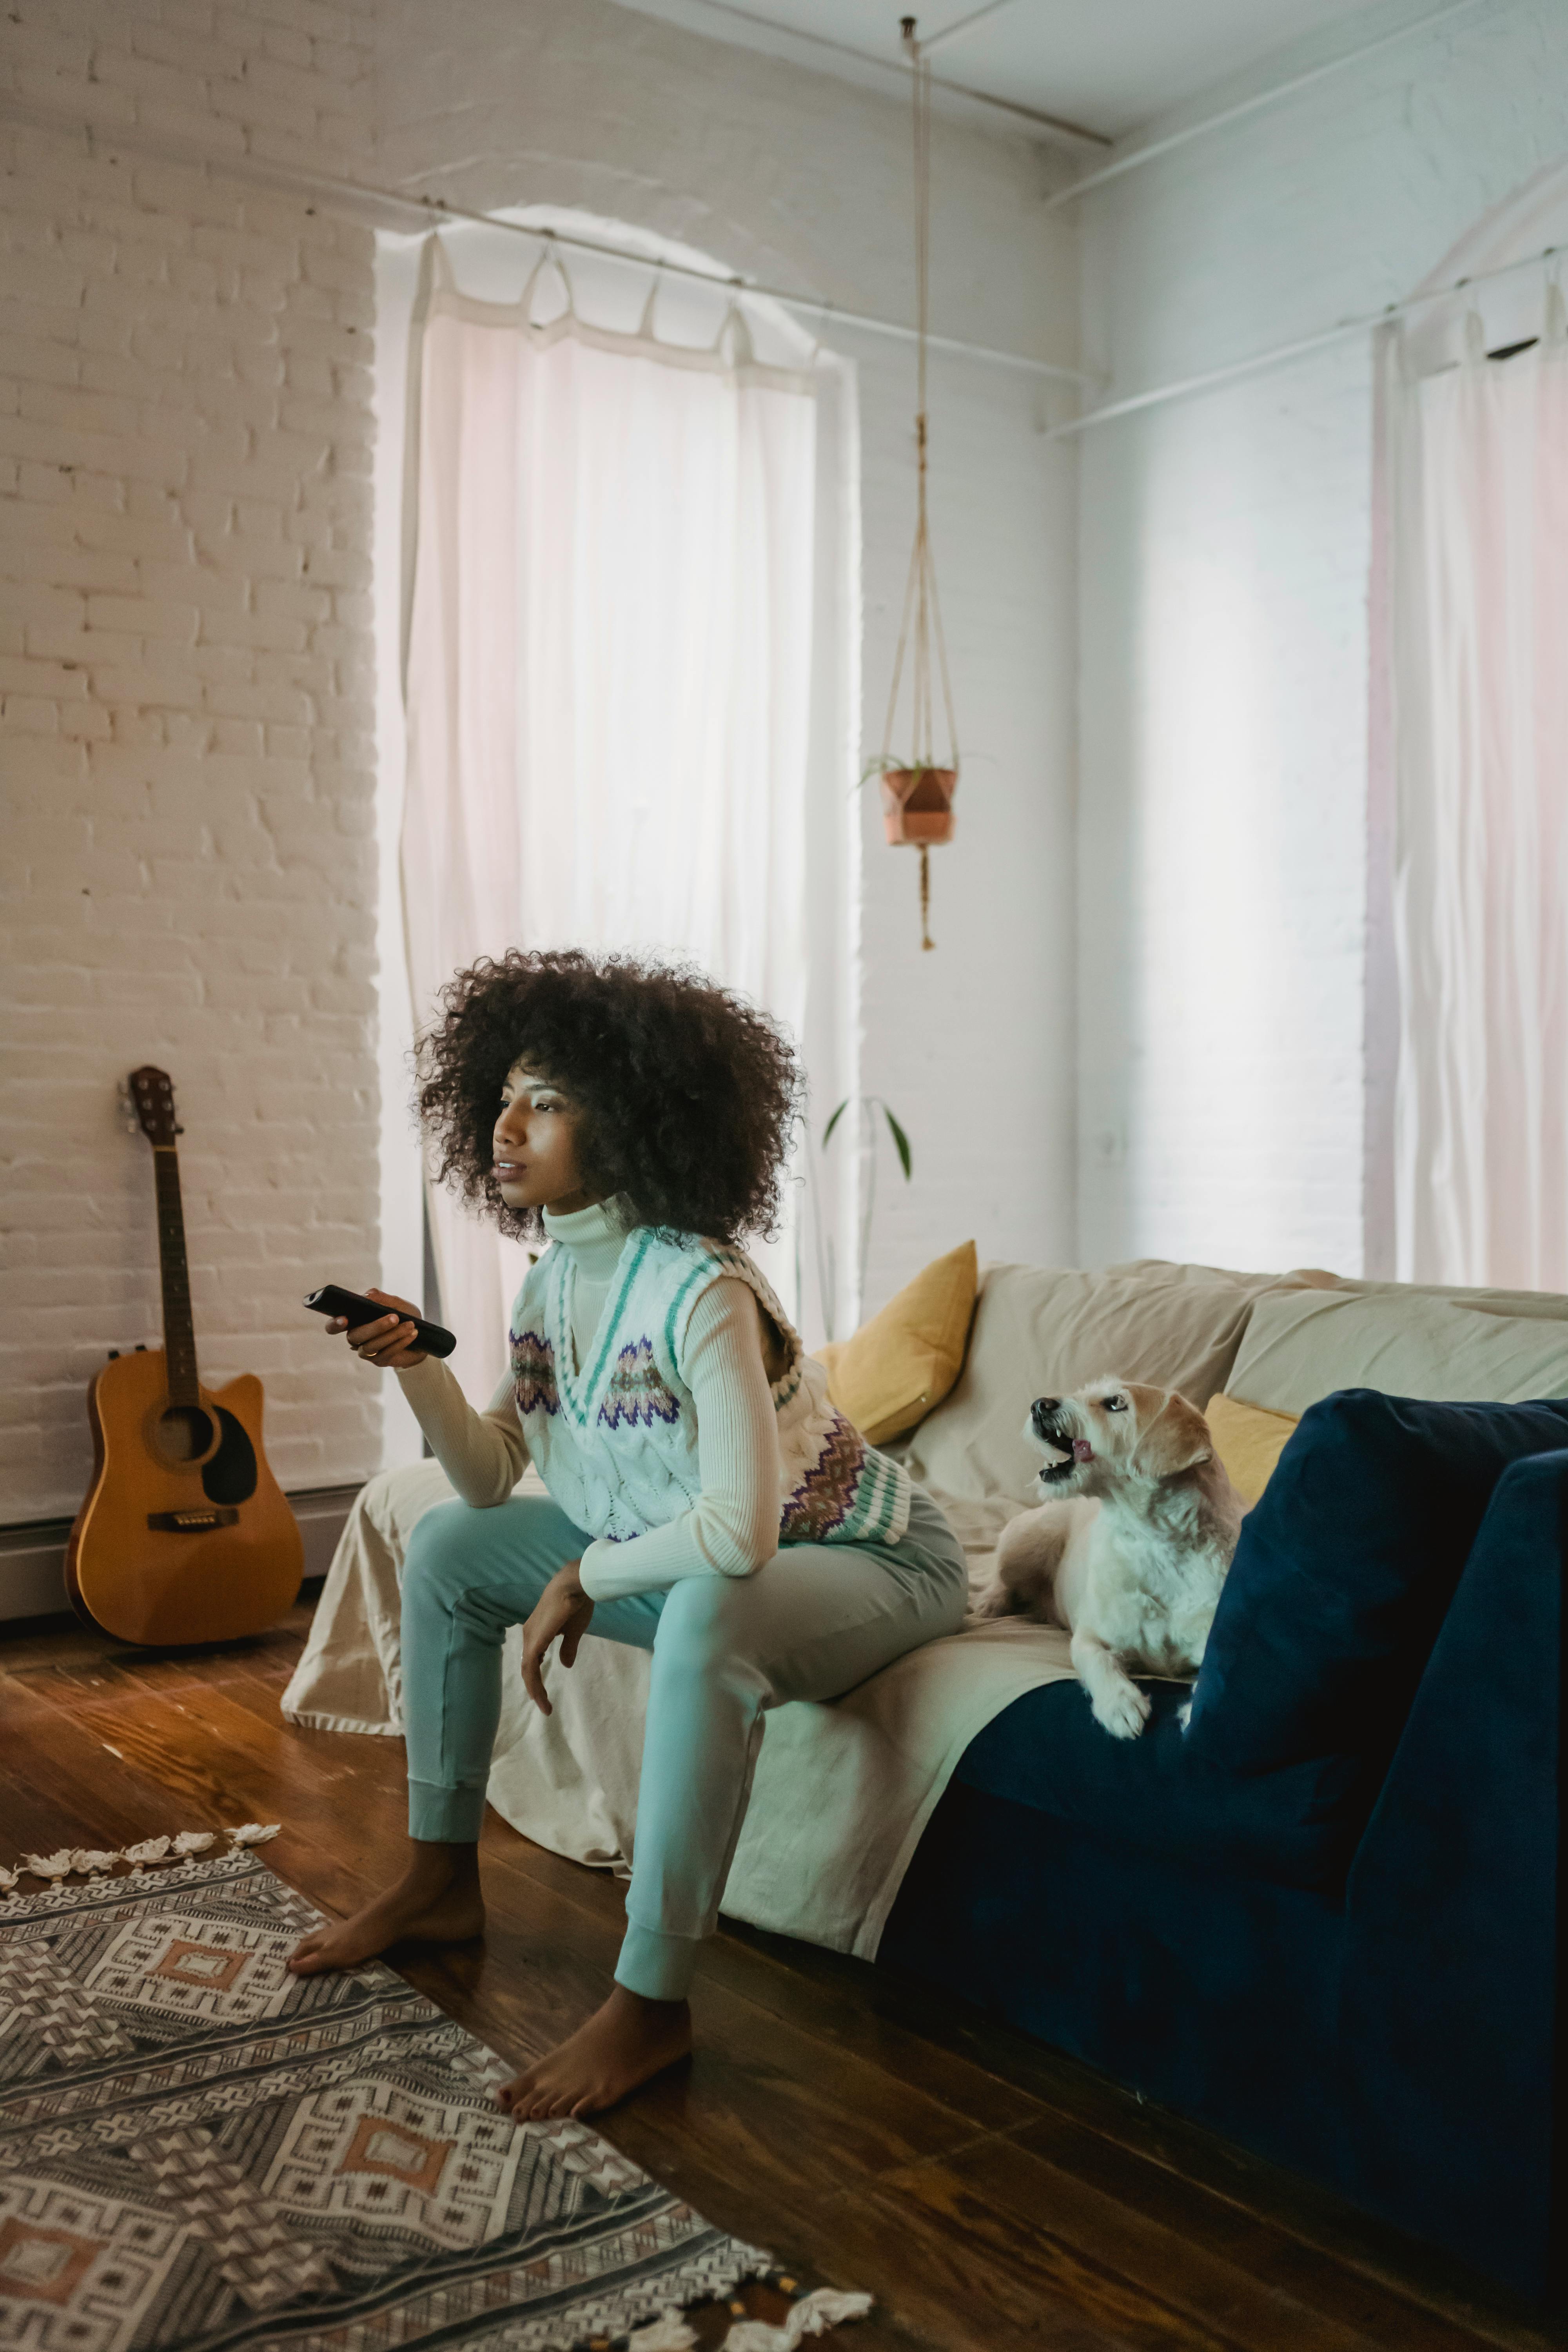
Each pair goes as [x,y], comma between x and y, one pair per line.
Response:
[1342,1575]
[1150,1798]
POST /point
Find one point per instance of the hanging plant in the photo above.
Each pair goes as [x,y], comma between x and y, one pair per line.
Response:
[917,802]
[918,787]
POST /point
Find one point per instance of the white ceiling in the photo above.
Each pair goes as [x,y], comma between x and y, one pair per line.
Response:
[1108,66]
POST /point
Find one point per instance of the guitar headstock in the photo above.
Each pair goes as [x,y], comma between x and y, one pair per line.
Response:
[152,1096]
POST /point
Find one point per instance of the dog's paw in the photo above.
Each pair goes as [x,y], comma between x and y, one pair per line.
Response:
[1123,1710]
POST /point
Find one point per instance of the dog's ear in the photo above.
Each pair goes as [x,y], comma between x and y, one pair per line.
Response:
[1177,1438]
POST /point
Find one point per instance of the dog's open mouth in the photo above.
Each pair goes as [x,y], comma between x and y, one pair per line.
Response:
[1073,1452]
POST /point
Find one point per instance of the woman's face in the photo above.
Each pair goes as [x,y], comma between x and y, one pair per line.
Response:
[536,1145]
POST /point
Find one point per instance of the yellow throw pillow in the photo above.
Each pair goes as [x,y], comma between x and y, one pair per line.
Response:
[1248,1442]
[905,1359]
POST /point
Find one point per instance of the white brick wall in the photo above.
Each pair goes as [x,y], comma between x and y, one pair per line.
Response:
[184,712]
[1223,694]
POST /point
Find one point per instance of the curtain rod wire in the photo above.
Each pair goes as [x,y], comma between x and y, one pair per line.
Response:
[438,207]
[1275,357]
[366,198]
[1141,156]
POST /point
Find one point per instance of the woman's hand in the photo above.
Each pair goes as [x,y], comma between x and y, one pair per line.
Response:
[389,1342]
[563,1608]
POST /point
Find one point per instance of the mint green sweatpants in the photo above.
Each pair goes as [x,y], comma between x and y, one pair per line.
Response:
[812,1622]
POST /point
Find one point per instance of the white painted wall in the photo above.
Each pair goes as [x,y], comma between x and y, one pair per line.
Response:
[1225,548]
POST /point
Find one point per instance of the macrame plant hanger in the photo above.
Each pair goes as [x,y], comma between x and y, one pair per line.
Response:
[917,789]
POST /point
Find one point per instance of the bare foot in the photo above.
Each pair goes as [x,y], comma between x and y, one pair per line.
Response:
[621,2046]
[436,1900]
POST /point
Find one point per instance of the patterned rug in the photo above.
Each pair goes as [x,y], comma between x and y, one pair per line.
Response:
[198,2149]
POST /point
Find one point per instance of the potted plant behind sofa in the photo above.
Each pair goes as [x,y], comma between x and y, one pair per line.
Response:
[865,1108]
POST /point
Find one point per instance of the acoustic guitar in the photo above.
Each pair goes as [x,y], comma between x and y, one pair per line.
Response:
[184,1535]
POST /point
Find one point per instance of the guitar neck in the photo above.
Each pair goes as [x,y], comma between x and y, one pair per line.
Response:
[179,1324]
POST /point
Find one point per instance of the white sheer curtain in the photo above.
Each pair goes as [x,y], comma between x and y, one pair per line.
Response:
[608,673]
[1479,586]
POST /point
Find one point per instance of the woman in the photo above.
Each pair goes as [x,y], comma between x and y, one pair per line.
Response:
[706,1500]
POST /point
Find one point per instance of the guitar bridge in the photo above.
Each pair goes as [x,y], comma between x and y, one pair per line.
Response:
[193,1523]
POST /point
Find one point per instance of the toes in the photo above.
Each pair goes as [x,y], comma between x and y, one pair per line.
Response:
[520,2099]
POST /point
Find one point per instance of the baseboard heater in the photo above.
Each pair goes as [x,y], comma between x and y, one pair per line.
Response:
[33,1554]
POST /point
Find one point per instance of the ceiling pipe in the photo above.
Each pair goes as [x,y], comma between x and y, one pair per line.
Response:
[1141,156]
[794,36]
[965,23]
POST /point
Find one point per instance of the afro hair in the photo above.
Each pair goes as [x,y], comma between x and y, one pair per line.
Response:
[688,1095]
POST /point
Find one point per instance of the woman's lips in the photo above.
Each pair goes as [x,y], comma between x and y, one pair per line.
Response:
[508,1170]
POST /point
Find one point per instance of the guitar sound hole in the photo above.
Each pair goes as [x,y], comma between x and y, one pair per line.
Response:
[184,1432]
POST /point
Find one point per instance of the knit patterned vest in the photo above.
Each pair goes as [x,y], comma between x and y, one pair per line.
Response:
[615,1442]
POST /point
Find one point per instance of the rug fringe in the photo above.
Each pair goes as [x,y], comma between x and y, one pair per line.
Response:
[826,2306]
[86,1862]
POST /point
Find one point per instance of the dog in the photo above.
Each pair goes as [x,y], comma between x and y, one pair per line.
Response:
[1132,1549]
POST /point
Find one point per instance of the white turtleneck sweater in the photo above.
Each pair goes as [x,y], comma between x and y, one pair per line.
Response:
[733,1526]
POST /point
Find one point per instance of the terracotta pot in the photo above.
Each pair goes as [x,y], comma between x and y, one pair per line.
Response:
[917,805]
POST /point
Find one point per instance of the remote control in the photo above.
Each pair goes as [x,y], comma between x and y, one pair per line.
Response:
[333,1299]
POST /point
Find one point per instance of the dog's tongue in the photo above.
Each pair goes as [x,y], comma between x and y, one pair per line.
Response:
[1083,1451]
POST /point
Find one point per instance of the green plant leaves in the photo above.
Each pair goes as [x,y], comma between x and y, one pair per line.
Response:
[900,1140]
[900,1143]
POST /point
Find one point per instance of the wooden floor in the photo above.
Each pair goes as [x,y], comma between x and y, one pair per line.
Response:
[872,2133]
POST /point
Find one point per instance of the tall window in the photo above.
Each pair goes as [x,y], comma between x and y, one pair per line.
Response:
[608,681]
[1477,479]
